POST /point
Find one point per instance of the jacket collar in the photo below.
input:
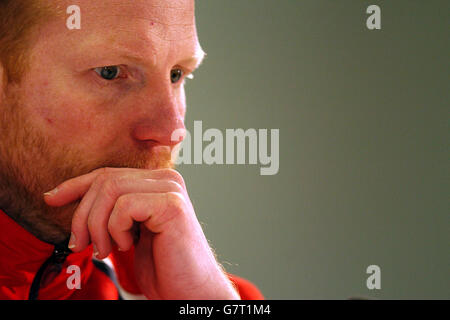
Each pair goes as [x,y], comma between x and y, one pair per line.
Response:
[21,257]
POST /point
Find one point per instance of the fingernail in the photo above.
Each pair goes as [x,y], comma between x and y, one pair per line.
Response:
[95,251]
[51,192]
[71,241]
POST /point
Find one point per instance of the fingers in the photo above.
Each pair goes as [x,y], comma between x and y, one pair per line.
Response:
[154,210]
[69,190]
[169,174]
[99,214]
[90,220]
[138,207]
[73,189]
[99,190]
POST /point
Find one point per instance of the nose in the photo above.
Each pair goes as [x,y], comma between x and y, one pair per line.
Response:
[162,120]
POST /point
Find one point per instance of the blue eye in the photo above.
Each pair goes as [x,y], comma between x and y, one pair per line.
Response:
[175,75]
[109,72]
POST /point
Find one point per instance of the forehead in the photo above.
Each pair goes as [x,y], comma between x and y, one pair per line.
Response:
[138,25]
[103,8]
[167,19]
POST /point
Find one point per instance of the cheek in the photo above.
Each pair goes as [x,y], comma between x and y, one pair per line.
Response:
[65,119]
[52,109]
[66,115]
[71,121]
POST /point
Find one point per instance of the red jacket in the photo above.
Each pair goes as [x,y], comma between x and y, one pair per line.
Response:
[33,269]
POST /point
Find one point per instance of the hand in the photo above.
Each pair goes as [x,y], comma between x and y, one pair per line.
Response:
[172,257]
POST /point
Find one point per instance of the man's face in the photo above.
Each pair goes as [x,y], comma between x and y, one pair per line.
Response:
[69,115]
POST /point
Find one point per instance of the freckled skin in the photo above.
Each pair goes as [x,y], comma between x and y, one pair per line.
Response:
[69,121]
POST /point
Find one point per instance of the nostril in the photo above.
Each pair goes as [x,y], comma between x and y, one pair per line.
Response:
[178,135]
[161,133]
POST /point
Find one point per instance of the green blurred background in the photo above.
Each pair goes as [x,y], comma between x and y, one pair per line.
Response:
[363,118]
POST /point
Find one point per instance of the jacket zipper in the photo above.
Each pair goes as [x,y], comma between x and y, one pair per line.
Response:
[49,270]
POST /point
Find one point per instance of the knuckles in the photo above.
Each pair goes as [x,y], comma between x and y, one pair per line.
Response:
[176,202]
[174,175]
[124,202]
[175,186]
[109,180]
[110,185]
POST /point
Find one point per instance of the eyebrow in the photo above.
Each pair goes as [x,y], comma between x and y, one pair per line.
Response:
[196,60]
[193,61]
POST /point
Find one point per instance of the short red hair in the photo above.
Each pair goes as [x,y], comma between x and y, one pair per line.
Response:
[18,18]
